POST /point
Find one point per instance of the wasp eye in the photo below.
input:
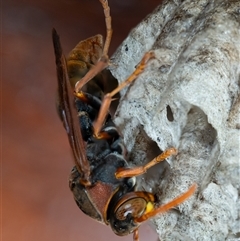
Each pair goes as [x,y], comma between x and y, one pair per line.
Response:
[135,207]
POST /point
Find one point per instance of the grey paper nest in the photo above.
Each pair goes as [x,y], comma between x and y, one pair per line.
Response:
[188,98]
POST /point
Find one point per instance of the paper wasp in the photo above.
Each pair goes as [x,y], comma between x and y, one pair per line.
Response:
[102,182]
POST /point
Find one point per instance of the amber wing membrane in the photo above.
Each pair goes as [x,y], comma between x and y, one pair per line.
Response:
[68,113]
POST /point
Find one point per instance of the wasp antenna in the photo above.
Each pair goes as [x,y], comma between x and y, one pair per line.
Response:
[175,202]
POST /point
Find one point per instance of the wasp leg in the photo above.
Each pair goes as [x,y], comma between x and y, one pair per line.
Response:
[89,99]
[136,171]
[135,235]
[108,21]
[100,65]
[88,106]
[103,62]
[175,202]
[108,97]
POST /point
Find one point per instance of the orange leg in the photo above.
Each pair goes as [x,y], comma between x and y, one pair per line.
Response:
[108,97]
[108,21]
[136,171]
[175,202]
[135,235]
[104,60]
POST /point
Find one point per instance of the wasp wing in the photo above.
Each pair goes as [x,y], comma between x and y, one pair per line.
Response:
[68,113]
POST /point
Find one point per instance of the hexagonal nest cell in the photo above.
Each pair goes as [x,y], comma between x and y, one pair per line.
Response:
[188,98]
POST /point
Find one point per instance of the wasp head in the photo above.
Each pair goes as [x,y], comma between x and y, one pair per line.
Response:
[128,209]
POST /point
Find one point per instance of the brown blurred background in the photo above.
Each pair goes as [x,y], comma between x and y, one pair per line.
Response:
[36,158]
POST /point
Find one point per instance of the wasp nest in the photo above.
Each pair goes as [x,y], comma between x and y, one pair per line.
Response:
[188,98]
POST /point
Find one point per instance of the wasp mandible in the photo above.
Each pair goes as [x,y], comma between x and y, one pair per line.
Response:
[102,182]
